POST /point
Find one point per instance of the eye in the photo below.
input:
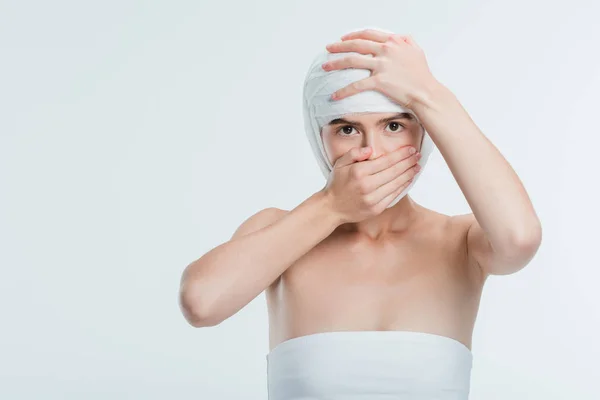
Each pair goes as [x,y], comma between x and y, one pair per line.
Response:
[395,125]
[345,129]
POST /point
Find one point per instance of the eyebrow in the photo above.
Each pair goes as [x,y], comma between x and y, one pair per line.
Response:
[338,121]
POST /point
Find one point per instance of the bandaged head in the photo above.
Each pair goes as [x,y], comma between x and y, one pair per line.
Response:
[319,109]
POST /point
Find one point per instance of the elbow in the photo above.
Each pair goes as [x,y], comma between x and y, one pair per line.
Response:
[196,307]
[523,246]
[528,240]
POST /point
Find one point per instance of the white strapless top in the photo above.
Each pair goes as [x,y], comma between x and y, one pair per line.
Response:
[361,365]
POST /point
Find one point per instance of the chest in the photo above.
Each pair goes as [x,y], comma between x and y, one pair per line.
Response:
[343,276]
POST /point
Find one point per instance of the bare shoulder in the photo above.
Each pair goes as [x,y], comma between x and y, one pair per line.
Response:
[259,220]
[458,227]
[460,222]
[436,223]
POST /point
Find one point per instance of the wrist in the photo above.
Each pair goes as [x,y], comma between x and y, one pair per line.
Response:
[325,200]
[430,96]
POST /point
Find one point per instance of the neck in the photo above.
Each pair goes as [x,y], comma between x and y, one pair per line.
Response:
[396,219]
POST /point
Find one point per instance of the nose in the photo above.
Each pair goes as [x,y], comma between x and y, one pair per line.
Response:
[373,140]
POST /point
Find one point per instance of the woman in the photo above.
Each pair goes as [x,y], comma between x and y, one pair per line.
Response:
[371,295]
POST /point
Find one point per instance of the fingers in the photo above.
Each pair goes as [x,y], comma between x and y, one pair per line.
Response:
[392,188]
[354,61]
[369,83]
[369,34]
[353,155]
[371,167]
[408,166]
[389,198]
[355,45]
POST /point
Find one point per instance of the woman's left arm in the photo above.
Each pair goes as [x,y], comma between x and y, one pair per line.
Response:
[504,232]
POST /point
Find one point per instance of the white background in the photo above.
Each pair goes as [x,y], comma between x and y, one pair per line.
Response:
[136,136]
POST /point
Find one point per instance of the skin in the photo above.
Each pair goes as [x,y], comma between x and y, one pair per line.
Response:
[383,138]
[404,269]
[409,268]
[415,277]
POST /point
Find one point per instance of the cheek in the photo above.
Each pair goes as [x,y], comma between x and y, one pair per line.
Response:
[334,148]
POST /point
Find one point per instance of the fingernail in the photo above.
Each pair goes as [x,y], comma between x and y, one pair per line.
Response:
[412,150]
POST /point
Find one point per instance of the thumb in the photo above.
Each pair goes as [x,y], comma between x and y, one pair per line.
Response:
[353,155]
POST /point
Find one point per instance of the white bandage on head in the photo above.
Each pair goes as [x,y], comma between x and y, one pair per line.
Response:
[319,109]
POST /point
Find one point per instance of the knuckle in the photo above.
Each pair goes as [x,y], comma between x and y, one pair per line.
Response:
[355,172]
[362,187]
[386,46]
[368,201]
[381,80]
[377,79]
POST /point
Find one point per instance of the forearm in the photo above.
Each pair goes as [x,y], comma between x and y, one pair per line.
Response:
[231,275]
[493,190]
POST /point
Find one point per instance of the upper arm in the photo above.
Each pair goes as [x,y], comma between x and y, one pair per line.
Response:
[479,248]
[482,256]
[260,220]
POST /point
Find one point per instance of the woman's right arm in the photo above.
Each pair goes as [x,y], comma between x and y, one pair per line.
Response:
[224,280]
